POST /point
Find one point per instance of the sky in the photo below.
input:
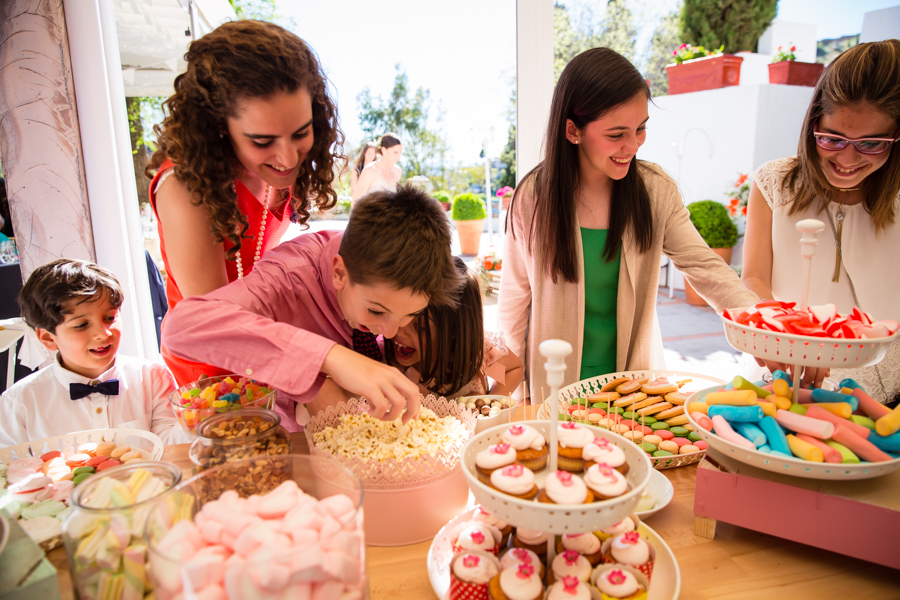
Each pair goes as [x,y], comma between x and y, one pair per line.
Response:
[464,52]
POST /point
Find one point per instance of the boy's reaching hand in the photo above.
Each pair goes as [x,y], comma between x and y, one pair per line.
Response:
[388,391]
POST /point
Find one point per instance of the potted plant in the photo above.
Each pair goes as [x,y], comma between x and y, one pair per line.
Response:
[469,214]
[738,197]
[719,232]
[505,194]
[785,69]
[443,196]
[698,69]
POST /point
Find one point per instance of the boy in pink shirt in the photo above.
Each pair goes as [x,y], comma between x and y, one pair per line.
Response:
[313,306]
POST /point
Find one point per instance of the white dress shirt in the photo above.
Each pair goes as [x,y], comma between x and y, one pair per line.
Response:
[39,406]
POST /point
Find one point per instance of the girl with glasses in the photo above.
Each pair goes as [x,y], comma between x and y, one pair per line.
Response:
[847,175]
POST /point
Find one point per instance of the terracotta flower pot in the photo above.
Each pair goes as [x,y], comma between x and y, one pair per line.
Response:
[691,295]
[707,73]
[791,72]
[470,235]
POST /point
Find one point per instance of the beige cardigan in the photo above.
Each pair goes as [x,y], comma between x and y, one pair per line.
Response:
[533,309]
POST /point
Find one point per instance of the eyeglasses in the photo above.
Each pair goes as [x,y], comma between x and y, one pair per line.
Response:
[834,142]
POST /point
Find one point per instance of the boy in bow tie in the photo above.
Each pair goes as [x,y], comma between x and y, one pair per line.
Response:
[73,307]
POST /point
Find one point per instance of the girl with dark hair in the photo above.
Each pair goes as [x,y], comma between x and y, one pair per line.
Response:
[447,352]
[252,140]
[367,154]
[847,175]
[587,228]
[383,173]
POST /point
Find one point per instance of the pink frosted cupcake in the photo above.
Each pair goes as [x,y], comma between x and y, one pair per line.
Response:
[619,582]
[605,482]
[601,450]
[632,550]
[515,480]
[492,458]
[561,487]
[569,564]
[484,516]
[568,588]
[518,583]
[586,544]
[536,541]
[471,574]
[571,439]
[521,556]
[474,535]
[624,526]
[530,445]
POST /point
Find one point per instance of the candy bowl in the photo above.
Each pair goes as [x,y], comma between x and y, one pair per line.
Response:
[238,435]
[200,400]
[291,526]
[498,410]
[103,534]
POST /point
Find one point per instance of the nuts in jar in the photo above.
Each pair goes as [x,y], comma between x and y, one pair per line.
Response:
[239,435]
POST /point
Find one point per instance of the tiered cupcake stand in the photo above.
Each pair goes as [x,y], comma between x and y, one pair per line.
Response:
[557,519]
[845,508]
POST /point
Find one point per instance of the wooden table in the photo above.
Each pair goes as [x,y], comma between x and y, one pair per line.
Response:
[737,564]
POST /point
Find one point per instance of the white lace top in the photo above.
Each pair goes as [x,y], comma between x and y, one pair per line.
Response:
[494,348]
[873,262]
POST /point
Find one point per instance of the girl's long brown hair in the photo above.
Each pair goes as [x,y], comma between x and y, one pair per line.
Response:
[455,355]
[240,60]
[593,83]
[868,73]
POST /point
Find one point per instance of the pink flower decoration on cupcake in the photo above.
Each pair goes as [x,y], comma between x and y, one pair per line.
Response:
[616,577]
[565,478]
[632,537]
[522,555]
[501,448]
[471,560]
[568,425]
[606,470]
[571,557]
[570,584]
[601,442]
[478,538]
[524,571]
[517,430]
[513,471]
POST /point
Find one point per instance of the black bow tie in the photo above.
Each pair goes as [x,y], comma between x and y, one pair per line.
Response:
[77,391]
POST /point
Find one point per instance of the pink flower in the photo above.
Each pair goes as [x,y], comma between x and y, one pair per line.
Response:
[571,557]
[601,442]
[516,430]
[471,560]
[606,470]
[674,52]
[565,478]
[793,48]
[522,555]
[683,46]
[570,584]
[477,537]
[524,571]
[501,448]
[568,425]
[740,181]
[631,538]
[616,577]
[779,48]
[744,211]
[513,471]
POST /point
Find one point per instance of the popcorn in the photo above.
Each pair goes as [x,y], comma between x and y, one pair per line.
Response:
[363,436]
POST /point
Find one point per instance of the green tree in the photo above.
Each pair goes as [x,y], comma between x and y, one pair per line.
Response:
[507,175]
[574,35]
[665,40]
[619,32]
[143,113]
[406,113]
[736,24]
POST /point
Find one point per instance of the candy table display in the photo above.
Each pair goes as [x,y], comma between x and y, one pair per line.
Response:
[197,401]
[297,533]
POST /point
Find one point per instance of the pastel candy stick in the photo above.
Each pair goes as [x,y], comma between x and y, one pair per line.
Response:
[779,374]
[847,457]
[889,423]
[768,408]
[724,431]
[743,414]
[846,390]
[830,454]
[780,454]
[864,449]
[765,448]
[775,435]
[849,383]
[888,443]
[800,409]
[864,421]
[803,424]
[782,402]
[739,383]
[820,395]
[804,450]
[701,407]
[781,387]
[815,411]
[732,398]
[752,433]
[702,420]
[869,405]
[840,409]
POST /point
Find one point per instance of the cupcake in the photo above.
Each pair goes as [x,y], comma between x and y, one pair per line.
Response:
[572,438]
[632,550]
[601,450]
[471,574]
[536,541]
[605,482]
[624,526]
[486,517]
[474,535]
[492,458]
[561,487]
[531,448]
[518,583]
[521,556]
[586,544]
[569,564]
[515,480]
[568,588]
[619,582]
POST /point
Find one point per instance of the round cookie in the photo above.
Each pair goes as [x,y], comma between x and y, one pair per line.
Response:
[653,439]
[665,434]
[687,449]
[693,436]
[662,453]
[648,447]
[105,448]
[680,431]
[659,425]
[669,446]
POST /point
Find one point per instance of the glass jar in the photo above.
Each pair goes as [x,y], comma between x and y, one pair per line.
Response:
[194,402]
[103,534]
[285,527]
[236,436]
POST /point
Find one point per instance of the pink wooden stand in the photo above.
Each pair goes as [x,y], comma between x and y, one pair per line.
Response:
[854,518]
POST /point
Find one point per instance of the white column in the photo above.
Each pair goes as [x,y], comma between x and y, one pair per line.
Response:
[534,80]
[115,218]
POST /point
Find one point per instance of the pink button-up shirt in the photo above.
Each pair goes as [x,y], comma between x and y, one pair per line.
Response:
[277,323]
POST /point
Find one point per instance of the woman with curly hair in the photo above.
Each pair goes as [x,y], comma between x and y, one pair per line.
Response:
[250,140]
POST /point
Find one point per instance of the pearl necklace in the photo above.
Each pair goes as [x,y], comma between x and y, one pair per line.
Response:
[259,241]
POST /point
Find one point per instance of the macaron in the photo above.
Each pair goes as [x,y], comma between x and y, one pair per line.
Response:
[30,463]
[653,439]
[681,441]
[131,455]
[701,445]
[79,478]
[85,469]
[30,484]
[89,448]
[108,464]
[688,448]
[76,460]
[665,434]
[659,425]
[648,447]
[680,431]
[669,446]
[105,448]
[96,460]
[693,436]
[602,405]
[50,455]
[120,451]
[662,453]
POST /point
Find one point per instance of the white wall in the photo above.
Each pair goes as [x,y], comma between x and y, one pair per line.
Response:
[534,80]
[880,25]
[787,34]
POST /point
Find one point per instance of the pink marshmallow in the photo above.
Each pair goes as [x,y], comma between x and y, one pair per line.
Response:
[183,536]
[306,564]
[327,590]
[302,519]
[279,501]
[213,592]
[342,567]
[270,575]
[870,406]
[864,449]
[801,424]
[304,537]
[831,455]
[702,420]
[211,531]
[817,412]
[724,431]
[205,568]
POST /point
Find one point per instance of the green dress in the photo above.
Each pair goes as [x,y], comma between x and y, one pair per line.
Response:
[601,286]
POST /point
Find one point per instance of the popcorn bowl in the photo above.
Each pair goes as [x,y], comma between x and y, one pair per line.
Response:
[265,527]
[190,406]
